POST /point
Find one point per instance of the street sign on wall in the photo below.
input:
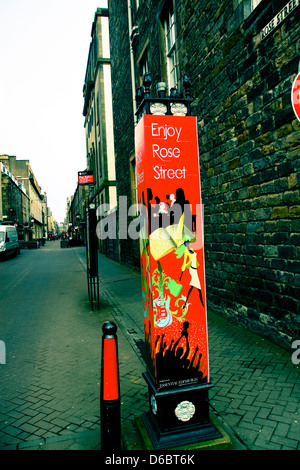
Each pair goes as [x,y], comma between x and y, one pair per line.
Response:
[296,96]
[171,250]
[85,177]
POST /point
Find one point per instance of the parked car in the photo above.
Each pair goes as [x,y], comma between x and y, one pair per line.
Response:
[9,243]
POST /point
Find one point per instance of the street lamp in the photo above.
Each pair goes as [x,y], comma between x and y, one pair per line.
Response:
[162,104]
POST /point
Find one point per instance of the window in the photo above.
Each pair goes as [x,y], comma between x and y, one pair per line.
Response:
[133,180]
[98,114]
[255,3]
[100,168]
[248,5]
[143,66]
[135,6]
[90,122]
[242,9]
[170,47]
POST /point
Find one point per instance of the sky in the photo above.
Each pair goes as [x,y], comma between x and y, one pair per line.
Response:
[43,56]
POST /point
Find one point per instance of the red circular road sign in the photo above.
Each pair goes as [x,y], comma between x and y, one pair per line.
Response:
[296,96]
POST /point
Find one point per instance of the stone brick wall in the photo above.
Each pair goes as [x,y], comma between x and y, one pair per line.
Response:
[249,157]
[248,148]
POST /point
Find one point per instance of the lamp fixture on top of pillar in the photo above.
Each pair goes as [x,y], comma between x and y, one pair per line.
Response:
[162,104]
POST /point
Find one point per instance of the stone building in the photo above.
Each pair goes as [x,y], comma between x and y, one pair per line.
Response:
[242,57]
[30,205]
[14,201]
[49,223]
[77,213]
[98,122]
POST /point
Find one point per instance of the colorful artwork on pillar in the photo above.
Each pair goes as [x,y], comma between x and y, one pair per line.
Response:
[171,248]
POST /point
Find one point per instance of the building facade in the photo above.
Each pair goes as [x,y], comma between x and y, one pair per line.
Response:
[77,214]
[14,202]
[24,172]
[49,223]
[23,203]
[242,57]
[98,124]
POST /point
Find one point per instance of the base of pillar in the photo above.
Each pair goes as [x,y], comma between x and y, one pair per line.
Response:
[135,436]
[179,416]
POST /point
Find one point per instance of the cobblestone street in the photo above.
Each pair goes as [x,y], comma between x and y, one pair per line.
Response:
[50,384]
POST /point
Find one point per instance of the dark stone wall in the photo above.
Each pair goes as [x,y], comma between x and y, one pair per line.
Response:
[249,148]
[249,158]
[123,116]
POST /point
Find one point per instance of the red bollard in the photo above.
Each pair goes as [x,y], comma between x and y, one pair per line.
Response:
[110,390]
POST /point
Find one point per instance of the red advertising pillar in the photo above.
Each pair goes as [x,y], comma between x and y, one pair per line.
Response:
[173,276]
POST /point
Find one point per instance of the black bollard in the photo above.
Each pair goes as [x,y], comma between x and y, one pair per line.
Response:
[110,390]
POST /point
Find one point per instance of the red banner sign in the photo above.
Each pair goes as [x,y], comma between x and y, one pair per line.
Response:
[85,177]
[172,257]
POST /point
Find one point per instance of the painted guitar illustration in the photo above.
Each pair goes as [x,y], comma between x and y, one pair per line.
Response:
[161,304]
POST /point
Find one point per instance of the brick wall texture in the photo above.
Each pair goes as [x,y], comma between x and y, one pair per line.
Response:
[249,147]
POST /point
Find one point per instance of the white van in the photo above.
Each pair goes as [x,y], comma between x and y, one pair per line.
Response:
[9,243]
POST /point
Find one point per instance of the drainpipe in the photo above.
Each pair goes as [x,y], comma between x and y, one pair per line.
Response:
[1,215]
[131,59]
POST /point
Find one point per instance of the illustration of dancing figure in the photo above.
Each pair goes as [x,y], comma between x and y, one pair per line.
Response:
[190,262]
